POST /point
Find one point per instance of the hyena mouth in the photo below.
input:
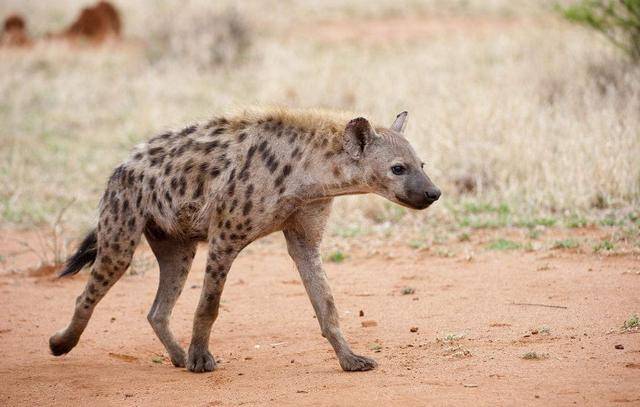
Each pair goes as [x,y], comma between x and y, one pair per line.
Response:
[413,205]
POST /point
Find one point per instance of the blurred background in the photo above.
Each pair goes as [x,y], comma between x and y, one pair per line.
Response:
[525,119]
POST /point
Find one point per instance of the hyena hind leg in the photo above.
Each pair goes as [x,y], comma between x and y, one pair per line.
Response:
[115,247]
[174,258]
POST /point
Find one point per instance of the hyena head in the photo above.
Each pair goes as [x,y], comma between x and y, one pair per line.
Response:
[391,166]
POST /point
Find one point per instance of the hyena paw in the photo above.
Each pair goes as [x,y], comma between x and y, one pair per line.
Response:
[200,360]
[178,358]
[355,363]
[59,344]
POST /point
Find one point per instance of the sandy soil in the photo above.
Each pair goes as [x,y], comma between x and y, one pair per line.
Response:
[271,351]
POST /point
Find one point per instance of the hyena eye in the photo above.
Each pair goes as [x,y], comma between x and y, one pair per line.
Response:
[422,165]
[398,169]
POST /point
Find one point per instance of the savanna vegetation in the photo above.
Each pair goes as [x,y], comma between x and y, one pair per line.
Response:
[524,119]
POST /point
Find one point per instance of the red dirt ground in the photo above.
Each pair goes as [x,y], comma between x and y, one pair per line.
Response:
[271,351]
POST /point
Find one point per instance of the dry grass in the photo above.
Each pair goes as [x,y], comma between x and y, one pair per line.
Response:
[534,113]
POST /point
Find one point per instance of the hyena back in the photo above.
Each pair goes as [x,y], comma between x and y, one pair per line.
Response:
[230,182]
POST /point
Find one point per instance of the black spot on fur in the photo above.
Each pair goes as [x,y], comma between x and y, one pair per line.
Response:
[217,131]
[156,161]
[242,136]
[188,166]
[183,186]
[209,146]
[199,189]
[215,171]
[160,207]
[183,148]
[117,174]
[249,191]
[286,170]
[160,137]
[138,156]
[187,130]
[125,206]
[131,176]
[247,208]
[251,152]
[156,150]
[114,204]
[270,161]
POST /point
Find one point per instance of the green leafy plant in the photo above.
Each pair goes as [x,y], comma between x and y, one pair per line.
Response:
[617,20]
[566,244]
[504,244]
[605,245]
[337,257]
[631,324]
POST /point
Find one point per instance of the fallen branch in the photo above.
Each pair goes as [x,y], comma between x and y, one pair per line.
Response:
[532,304]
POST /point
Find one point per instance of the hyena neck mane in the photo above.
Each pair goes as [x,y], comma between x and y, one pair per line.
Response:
[310,144]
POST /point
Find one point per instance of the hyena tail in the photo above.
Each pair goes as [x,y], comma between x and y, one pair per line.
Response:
[85,255]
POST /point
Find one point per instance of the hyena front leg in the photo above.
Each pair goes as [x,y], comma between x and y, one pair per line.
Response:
[117,238]
[304,234]
[174,258]
[218,264]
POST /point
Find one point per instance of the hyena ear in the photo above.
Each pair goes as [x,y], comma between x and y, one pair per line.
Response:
[400,122]
[357,136]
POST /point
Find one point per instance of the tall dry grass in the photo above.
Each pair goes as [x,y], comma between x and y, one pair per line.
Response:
[534,113]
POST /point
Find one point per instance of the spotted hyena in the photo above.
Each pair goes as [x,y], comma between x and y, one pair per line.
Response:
[230,182]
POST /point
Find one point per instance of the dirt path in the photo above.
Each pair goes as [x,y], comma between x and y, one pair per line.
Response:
[271,350]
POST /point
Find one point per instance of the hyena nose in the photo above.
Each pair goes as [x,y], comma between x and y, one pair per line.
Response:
[432,194]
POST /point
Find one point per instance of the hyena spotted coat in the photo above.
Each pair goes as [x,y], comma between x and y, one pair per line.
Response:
[230,182]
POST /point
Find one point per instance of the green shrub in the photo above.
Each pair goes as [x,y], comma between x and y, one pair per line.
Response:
[617,20]
[337,257]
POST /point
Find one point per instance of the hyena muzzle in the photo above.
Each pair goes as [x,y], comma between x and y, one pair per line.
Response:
[229,182]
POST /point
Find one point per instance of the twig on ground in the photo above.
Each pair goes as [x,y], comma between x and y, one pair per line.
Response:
[532,304]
